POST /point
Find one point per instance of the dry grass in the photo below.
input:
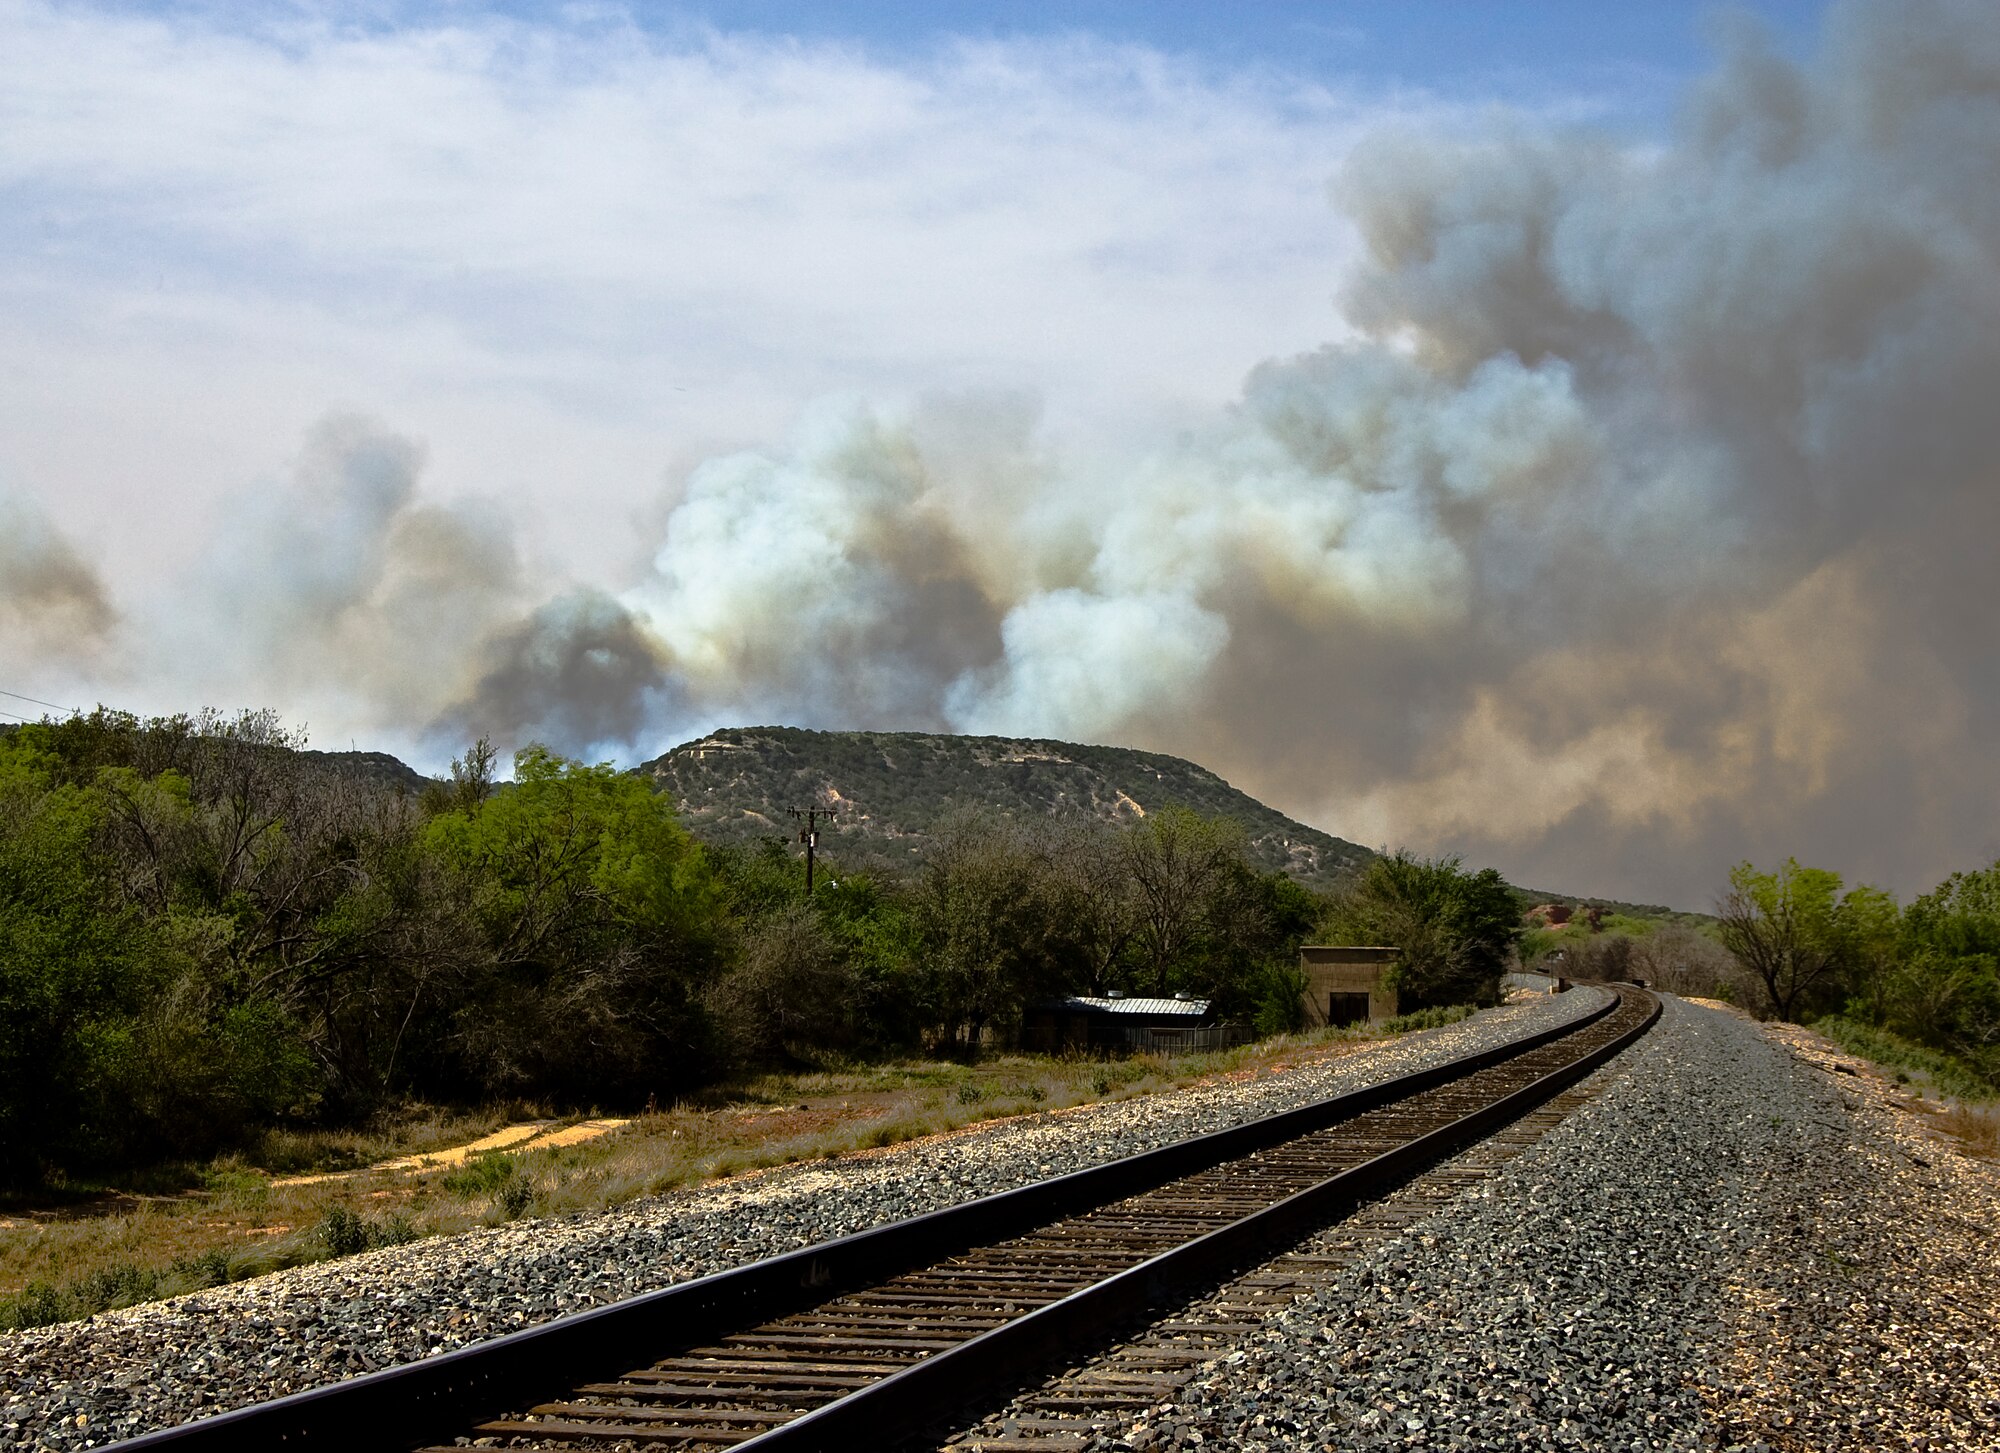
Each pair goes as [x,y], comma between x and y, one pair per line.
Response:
[242,1217]
[1975,1127]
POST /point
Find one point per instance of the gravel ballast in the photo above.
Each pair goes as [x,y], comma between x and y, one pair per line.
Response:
[84,1384]
[1725,1248]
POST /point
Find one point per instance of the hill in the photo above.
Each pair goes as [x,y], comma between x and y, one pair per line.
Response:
[893,790]
[378,768]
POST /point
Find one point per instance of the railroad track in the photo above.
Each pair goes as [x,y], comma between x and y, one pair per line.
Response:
[865,1340]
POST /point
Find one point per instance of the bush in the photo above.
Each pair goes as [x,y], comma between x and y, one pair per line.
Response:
[1433,1018]
[344,1232]
[39,1305]
[790,990]
[1951,1073]
[1280,1001]
[481,1174]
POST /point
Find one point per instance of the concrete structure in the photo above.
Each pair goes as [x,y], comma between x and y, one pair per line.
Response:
[1344,985]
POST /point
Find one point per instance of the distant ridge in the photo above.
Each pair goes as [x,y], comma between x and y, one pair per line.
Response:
[895,789]
[377,767]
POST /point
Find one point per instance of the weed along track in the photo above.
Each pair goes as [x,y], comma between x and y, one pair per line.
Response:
[873,1337]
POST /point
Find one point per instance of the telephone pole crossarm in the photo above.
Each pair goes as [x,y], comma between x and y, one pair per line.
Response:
[812,817]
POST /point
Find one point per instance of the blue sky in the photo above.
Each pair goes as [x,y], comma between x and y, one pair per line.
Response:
[1631,57]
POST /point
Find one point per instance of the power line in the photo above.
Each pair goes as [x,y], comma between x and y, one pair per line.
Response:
[36,699]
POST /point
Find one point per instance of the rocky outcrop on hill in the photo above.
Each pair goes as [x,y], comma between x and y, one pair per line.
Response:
[892,791]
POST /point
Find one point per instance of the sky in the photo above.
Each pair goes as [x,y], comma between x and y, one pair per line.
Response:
[1550,432]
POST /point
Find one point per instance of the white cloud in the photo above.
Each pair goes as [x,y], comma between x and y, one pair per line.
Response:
[573,256]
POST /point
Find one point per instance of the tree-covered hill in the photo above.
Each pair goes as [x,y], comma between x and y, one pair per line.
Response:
[893,790]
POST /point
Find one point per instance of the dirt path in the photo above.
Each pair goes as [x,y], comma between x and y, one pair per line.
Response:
[512,1140]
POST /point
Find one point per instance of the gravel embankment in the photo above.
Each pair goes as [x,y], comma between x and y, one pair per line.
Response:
[1870,1315]
[1730,1247]
[84,1384]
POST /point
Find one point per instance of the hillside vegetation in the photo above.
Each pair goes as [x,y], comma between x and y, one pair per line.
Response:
[207,931]
[896,792]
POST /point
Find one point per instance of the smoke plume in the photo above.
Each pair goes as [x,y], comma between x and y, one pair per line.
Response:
[1647,522]
[1643,520]
[51,600]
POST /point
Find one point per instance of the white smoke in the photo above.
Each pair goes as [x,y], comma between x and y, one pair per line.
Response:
[1643,519]
[1646,464]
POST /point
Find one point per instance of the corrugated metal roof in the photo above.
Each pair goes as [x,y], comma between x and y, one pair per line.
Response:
[1084,1004]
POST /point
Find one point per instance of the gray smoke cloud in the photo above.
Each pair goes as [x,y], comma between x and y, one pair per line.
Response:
[1644,521]
[52,602]
[1646,524]
[340,588]
[580,672]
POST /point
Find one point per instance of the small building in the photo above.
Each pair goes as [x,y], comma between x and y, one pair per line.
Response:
[1344,985]
[1112,1024]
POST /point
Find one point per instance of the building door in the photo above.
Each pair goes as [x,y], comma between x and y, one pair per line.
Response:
[1344,1009]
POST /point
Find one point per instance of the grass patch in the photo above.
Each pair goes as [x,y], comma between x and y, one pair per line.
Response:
[1910,1063]
[205,1225]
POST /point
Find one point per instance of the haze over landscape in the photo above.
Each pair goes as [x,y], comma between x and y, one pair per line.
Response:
[1591,471]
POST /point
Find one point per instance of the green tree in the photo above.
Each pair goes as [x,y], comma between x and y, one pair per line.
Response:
[1799,935]
[74,973]
[1192,888]
[1455,931]
[978,908]
[599,922]
[1945,987]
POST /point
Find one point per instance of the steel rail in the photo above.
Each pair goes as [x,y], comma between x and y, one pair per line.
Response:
[944,1383]
[400,1407]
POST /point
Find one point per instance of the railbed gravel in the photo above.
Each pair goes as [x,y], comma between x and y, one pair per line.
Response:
[1745,1241]
[84,1384]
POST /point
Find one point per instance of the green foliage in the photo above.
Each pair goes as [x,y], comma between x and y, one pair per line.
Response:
[1949,1073]
[1436,1017]
[482,1174]
[1917,988]
[1943,988]
[597,922]
[1801,937]
[1455,930]
[38,1305]
[77,968]
[1278,993]
[345,1232]
[205,929]
[212,939]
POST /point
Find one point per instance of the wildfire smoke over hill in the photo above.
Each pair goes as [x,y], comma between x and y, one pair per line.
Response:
[1642,522]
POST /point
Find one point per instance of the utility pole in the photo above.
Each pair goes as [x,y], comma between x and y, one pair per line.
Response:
[812,817]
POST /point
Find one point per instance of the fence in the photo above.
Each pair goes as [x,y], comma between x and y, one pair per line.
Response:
[1186,1041]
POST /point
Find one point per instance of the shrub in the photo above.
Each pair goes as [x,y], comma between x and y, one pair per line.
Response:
[39,1305]
[344,1232]
[482,1174]
[1948,1072]
[1278,996]
[1433,1018]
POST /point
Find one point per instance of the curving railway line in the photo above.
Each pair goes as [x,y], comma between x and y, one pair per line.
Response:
[866,1340]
